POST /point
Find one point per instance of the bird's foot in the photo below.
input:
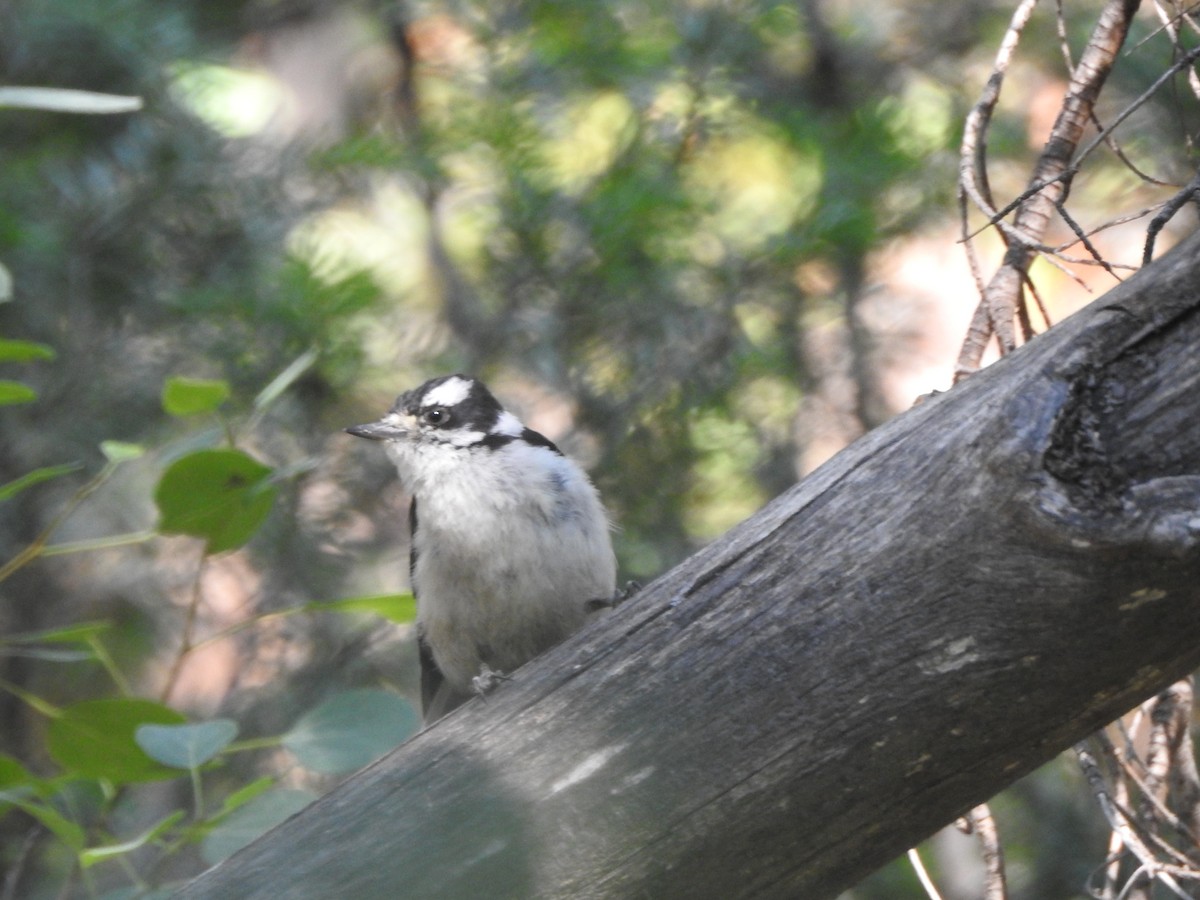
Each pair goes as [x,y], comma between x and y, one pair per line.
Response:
[620,595]
[631,588]
[487,681]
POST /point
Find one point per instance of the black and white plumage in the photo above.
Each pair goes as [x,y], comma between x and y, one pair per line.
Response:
[510,543]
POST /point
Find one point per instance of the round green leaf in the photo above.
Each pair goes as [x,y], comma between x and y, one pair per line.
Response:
[193,396]
[258,816]
[219,495]
[12,392]
[95,739]
[186,746]
[351,729]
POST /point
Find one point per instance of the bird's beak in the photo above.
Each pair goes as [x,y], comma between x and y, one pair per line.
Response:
[383,430]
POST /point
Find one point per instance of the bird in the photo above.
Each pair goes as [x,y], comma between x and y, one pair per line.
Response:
[511,548]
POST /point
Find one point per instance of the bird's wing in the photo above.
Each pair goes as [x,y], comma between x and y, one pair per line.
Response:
[438,697]
[432,678]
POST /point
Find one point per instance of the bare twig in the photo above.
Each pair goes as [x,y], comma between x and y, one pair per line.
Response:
[973,180]
[998,306]
[984,827]
[1158,861]
[186,646]
[1128,768]
[914,859]
[1190,192]
[1169,25]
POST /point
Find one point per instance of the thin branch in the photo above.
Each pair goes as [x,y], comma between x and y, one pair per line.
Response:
[1172,206]
[1032,217]
[189,624]
[984,827]
[914,859]
[973,150]
[1128,769]
[1083,238]
[1131,835]
[37,546]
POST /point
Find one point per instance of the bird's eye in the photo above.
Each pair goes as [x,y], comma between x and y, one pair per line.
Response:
[437,415]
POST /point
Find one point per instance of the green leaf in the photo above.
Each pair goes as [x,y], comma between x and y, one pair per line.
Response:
[120,451]
[186,746]
[79,633]
[255,818]
[24,351]
[12,392]
[13,774]
[219,495]
[48,654]
[351,729]
[93,855]
[193,396]
[244,795]
[37,476]
[67,100]
[62,828]
[95,739]
[284,379]
[400,608]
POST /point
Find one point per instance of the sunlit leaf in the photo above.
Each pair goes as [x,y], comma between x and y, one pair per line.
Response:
[67,100]
[236,102]
[37,476]
[93,855]
[400,608]
[95,739]
[193,396]
[255,818]
[121,451]
[24,351]
[12,392]
[351,729]
[186,746]
[219,495]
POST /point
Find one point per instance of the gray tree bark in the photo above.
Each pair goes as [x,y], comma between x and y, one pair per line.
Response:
[940,609]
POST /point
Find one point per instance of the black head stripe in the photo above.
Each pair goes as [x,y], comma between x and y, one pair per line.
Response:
[477,411]
[529,436]
[496,441]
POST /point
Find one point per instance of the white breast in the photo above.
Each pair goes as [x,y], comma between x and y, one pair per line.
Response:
[511,545]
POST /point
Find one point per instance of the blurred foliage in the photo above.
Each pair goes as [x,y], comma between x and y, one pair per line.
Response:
[648,225]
